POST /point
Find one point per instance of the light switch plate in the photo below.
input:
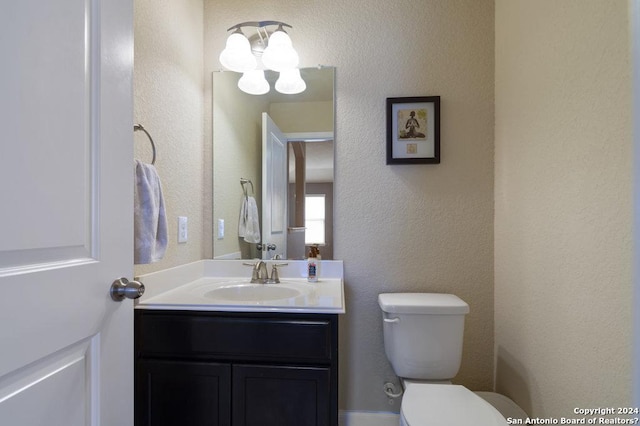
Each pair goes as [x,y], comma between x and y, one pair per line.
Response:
[182,229]
[220,229]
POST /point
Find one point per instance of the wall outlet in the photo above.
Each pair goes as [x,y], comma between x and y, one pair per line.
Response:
[182,229]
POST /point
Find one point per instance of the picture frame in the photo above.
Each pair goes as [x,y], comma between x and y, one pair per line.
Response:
[413,130]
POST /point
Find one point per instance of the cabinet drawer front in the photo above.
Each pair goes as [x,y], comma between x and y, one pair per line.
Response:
[207,336]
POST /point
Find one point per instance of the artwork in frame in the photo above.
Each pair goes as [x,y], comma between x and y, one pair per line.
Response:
[413,130]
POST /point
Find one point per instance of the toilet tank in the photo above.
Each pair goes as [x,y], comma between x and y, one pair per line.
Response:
[423,334]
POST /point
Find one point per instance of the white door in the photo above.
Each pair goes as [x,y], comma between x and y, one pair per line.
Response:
[66,226]
[274,189]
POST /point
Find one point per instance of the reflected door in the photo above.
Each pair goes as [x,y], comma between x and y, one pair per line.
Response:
[274,189]
[66,222]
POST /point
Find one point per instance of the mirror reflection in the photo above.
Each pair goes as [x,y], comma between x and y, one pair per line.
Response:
[273,157]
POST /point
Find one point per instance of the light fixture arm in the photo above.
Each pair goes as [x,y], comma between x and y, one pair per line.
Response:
[259,39]
[259,24]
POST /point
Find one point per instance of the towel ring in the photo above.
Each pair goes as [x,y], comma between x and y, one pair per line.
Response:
[137,127]
[244,181]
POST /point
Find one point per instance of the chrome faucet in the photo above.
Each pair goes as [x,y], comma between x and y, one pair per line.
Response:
[260,275]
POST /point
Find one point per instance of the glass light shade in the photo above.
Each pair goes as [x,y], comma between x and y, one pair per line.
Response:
[280,38]
[280,54]
[290,82]
[237,55]
[254,83]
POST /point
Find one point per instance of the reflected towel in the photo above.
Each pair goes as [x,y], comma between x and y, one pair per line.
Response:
[150,221]
[248,224]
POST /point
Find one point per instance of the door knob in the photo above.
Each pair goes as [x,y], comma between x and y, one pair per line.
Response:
[123,288]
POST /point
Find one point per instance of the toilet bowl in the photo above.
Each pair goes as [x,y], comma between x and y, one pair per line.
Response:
[423,341]
[504,405]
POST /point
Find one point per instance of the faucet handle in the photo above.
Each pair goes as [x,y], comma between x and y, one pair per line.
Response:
[275,277]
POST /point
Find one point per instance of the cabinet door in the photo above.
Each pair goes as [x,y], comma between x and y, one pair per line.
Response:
[170,393]
[280,396]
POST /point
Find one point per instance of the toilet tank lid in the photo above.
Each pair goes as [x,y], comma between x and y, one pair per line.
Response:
[422,303]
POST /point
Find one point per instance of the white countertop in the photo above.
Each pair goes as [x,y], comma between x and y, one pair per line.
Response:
[194,286]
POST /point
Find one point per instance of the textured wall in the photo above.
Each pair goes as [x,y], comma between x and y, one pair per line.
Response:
[168,102]
[398,228]
[563,204]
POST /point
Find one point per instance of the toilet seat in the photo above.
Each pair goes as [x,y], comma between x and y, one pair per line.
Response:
[427,404]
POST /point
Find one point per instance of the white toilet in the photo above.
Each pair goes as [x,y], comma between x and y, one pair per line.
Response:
[423,335]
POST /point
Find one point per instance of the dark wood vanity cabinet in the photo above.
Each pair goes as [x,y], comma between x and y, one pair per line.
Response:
[235,369]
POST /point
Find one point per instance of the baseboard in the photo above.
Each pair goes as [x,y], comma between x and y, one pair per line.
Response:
[367,418]
[230,256]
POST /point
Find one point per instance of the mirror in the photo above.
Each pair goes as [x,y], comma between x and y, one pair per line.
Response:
[307,122]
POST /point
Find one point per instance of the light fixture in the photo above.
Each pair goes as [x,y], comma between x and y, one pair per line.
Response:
[280,54]
[254,83]
[290,82]
[267,48]
[237,54]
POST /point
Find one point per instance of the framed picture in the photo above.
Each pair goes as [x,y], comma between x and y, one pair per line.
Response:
[413,130]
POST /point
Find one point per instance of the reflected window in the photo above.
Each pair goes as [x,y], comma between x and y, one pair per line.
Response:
[314,220]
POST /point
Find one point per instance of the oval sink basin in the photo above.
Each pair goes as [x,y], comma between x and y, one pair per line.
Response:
[252,292]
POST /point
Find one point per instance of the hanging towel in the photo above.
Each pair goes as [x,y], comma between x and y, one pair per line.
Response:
[248,225]
[150,220]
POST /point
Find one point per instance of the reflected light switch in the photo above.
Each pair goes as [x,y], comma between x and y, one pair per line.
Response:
[220,229]
[182,229]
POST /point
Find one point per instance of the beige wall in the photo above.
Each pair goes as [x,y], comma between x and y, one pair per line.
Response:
[294,117]
[398,228]
[168,102]
[563,204]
